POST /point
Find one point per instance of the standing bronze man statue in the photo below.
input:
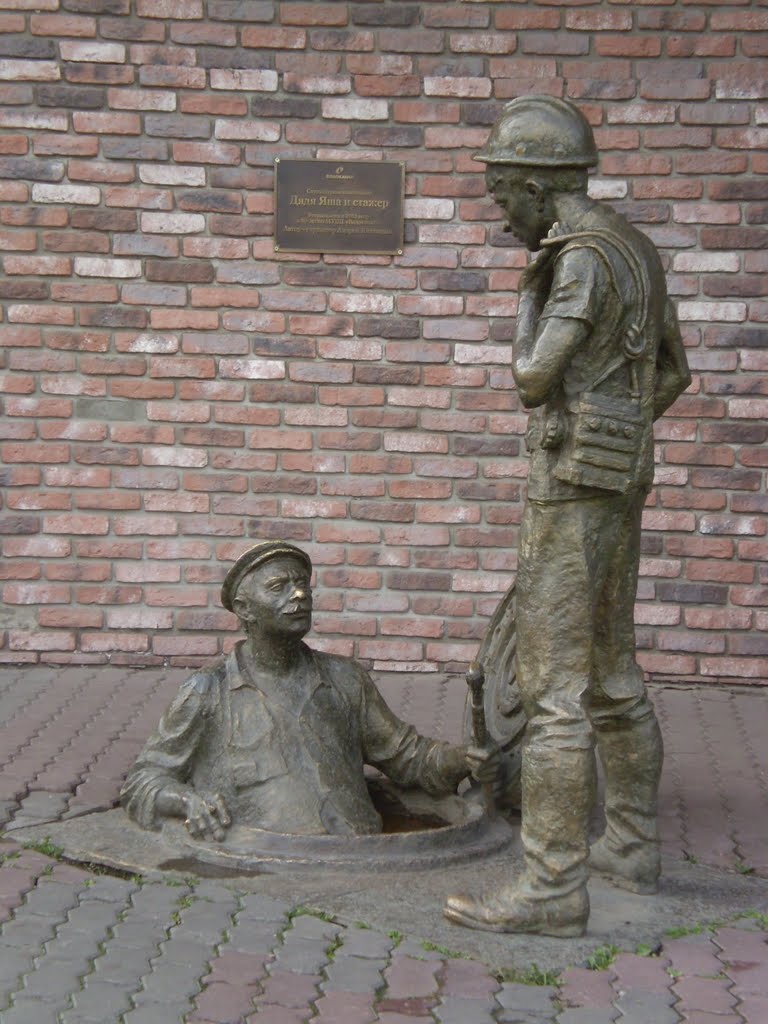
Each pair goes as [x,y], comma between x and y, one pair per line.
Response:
[598,357]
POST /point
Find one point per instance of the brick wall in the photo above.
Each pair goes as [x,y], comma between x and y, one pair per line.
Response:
[173,389]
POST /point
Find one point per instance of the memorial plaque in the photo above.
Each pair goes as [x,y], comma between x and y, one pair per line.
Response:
[328,206]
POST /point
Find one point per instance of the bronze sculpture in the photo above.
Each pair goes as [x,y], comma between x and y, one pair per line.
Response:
[276,735]
[597,356]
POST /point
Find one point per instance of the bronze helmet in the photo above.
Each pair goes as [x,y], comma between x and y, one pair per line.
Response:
[540,131]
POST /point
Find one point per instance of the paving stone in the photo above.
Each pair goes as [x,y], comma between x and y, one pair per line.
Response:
[642,972]
[702,1017]
[122,966]
[51,899]
[645,1007]
[694,955]
[7,810]
[257,907]
[418,950]
[536,998]
[738,944]
[524,1017]
[407,977]
[710,994]
[137,934]
[354,974]
[184,951]
[458,1010]
[345,1008]
[13,963]
[207,922]
[236,967]
[170,983]
[404,1018]
[754,1008]
[29,1011]
[101,998]
[111,890]
[254,939]
[153,1014]
[309,927]
[28,934]
[92,916]
[268,1015]
[364,942]
[591,1015]
[582,987]
[54,980]
[468,979]
[223,1001]
[288,988]
[301,956]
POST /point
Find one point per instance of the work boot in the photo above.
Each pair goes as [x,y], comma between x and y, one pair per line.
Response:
[511,910]
[636,869]
[631,751]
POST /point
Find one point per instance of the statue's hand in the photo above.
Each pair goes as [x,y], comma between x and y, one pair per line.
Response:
[207,817]
[484,763]
[532,280]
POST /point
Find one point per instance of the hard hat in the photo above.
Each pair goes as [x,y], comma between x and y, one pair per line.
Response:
[540,131]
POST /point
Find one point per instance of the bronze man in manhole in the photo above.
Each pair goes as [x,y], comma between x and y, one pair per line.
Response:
[275,736]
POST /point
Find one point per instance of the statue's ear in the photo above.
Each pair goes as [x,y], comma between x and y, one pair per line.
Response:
[240,608]
[536,191]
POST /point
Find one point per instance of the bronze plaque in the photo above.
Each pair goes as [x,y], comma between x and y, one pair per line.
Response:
[329,206]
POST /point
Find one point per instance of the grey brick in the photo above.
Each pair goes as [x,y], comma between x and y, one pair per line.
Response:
[304,957]
[415,948]
[537,998]
[92,917]
[54,981]
[170,983]
[28,934]
[50,899]
[354,974]
[108,889]
[455,1010]
[72,946]
[364,942]
[256,907]
[29,1011]
[638,1007]
[123,966]
[13,963]
[137,934]
[307,926]
[591,1015]
[258,938]
[154,1014]
[101,998]
[179,950]
[525,1017]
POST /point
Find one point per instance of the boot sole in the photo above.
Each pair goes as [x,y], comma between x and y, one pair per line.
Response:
[562,931]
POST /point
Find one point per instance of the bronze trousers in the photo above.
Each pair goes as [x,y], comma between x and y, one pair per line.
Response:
[580,683]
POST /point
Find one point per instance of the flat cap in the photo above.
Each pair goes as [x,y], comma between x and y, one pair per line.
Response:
[255,556]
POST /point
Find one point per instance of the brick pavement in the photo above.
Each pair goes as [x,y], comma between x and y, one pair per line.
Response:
[78,947]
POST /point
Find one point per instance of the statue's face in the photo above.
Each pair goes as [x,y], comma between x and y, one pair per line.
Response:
[525,208]
[277,598]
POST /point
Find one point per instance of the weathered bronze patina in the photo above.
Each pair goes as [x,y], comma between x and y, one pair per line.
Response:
[352,207]
[598,357]
[276,735]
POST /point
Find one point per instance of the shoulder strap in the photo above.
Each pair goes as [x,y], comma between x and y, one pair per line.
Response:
[634,340]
